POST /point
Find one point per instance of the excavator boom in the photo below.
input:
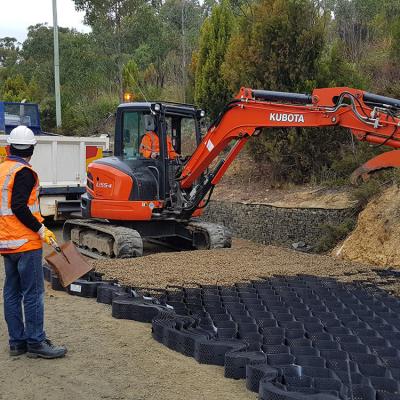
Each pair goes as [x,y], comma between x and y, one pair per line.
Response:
[371,118]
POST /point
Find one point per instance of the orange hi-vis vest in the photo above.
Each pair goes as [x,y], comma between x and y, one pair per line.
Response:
[15,237]
[151,144]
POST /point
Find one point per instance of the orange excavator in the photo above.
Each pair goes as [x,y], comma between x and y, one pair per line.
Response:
[130,198]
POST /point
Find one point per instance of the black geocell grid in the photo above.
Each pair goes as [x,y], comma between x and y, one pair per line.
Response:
[301,337]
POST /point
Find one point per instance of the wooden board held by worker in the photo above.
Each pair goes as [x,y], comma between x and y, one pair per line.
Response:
[68,263]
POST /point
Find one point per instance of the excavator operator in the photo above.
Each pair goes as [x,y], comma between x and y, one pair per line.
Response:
[150,146]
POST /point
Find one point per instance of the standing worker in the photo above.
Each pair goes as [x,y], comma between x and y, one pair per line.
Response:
[21,236]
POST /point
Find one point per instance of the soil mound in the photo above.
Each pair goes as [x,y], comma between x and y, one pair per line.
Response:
[376,239]
[243,262]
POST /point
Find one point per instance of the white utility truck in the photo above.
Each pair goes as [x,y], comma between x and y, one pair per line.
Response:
[60,161]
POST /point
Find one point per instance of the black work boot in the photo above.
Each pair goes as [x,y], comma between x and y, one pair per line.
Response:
[18,349]
[45,349]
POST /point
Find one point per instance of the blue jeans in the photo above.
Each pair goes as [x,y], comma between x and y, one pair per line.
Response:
[24,284]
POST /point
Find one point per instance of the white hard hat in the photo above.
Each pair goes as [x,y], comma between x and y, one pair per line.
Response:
[21,137]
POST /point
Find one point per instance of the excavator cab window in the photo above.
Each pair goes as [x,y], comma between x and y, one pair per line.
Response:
[133,129]
[188,137]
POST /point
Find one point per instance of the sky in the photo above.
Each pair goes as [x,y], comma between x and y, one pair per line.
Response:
[17,15]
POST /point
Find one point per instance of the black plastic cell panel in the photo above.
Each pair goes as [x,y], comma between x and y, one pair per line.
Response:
[275,349]
[277,360]
[386,351]
[384,384]
[215,310]
[261,314]
[300,313]
[355,348]
[346,338]
[342,365]
[250,337]
[276,306]
[362,392]
[324,316]
[324,384]
[225,323]
[350,379]
[213,351]
[236,361]
[335,355]
[274,340]
[273,331]
[294,333]
[374,342]
[387,396]
[255,307]
[240,307]
[230,298]
[394,336]
[304,351]
[310,361]
[319,336]
[297,382]
[254,303]
[313,327]
[373,370]
[302,342]
[257,372]
[220,317]
[355,324]
[282,318]
[292,325]
[393,362]
[364,358]
[243,319]
[266,323]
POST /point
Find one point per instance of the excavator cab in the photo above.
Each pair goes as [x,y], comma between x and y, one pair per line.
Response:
[134,185]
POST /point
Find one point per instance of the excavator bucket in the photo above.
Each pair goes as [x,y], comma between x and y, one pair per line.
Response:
[389,159]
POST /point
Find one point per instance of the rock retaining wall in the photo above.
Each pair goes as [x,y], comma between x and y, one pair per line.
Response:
[275,225]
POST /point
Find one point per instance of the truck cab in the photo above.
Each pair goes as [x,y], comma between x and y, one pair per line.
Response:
[60,161]
[14,114]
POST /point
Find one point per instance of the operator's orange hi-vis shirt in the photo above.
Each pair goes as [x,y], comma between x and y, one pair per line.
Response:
[151,144]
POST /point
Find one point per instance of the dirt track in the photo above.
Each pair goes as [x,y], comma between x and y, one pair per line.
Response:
[107,359]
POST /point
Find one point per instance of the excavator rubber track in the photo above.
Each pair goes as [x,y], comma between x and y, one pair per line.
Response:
[102,239]
[217,236]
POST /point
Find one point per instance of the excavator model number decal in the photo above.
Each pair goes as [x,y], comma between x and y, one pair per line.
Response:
[278,117]
[104,185]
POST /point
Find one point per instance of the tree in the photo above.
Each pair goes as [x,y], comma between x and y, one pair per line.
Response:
[8,51]
[211,89]
[277,46]
[113,22]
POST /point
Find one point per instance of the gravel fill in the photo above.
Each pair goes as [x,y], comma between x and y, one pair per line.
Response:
[245,261]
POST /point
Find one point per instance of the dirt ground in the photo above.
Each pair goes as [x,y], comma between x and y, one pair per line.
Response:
[107,359]
[245,182]
[376,239]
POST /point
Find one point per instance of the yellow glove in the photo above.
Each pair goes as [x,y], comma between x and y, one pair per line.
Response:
[46,235]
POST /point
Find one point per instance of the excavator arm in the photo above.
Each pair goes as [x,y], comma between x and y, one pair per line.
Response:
[370,118]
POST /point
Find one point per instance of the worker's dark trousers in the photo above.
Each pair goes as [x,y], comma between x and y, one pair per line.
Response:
[24,284]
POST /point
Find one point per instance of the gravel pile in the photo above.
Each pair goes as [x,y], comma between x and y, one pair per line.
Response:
[243,262]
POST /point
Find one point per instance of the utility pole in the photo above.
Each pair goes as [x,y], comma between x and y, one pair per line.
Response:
[56,66]
[183,51]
